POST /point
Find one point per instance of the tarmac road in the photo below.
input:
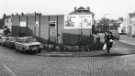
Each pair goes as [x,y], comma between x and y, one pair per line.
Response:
[13,63]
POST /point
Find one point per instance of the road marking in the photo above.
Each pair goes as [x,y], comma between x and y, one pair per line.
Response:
[9,70]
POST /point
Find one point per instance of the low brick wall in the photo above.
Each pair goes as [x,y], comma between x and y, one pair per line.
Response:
[86,42]
[74,43]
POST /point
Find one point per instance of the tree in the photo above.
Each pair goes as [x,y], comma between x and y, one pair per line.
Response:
[103,24]
[120,18]
[2,20]
[4,15]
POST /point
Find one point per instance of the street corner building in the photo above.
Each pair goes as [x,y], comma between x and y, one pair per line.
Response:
[69,29]
[128,25]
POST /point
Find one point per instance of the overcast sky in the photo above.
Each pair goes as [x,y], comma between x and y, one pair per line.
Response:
[101,8]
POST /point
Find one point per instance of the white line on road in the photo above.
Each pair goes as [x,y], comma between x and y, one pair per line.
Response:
[9,70]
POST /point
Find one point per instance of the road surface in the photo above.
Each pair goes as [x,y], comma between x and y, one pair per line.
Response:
[13,63]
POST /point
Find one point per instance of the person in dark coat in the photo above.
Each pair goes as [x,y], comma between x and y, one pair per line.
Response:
[6,31]
[108,41]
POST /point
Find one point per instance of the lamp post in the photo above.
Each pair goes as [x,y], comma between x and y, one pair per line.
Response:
[35,24]
[81,29]
[48,31]
[57,29]
[107,26]
[39,25]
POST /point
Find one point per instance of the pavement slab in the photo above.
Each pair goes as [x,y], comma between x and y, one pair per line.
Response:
[71,54]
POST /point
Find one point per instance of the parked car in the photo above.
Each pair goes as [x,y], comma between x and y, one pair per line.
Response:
[28,44]
[2,39]
[10,42]
[115,34]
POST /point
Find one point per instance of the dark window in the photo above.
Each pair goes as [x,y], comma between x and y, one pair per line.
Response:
[52,23]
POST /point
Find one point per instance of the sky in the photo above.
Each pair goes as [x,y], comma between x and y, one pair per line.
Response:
[102,8]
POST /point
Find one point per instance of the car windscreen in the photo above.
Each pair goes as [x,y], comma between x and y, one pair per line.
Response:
[28,40]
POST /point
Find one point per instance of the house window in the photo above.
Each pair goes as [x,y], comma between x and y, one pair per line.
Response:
[52,23]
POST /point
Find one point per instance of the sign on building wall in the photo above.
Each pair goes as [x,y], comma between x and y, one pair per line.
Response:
[78,22]
[8,23]
[37,23]
[23,24]
[53,24]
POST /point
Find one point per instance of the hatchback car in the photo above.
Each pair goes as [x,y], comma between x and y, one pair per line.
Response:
[10,42]
[28,44]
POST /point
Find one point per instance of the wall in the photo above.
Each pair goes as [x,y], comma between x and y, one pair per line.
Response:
[43,31]
[51,33]
[132,23]
[17,29]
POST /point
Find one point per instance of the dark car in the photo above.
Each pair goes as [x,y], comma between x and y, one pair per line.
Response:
[115,34]
[10,42]
[2,39]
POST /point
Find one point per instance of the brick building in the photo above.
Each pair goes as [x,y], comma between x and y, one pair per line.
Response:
[128,25]
[49,27]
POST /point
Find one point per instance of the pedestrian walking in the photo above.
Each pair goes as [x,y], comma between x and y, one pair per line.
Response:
[108,41]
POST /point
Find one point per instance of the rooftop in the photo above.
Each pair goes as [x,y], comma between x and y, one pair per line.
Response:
[81,10]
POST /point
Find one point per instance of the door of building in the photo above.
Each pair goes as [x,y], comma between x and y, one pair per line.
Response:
[53,31]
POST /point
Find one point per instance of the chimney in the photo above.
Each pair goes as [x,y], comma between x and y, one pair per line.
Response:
[12,15]
[75,8]
[88,8]
[35,13]
[17,14]
[22,14]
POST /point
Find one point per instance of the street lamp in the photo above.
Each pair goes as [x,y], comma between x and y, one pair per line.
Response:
[107,26]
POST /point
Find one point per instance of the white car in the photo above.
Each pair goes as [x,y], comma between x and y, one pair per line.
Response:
[3,39]
[28,44]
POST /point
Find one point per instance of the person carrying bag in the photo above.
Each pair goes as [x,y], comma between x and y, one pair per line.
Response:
[104,46]
[108,41]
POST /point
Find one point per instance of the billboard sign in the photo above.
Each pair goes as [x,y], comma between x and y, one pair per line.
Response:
[23,23]
[37,23]
[78,22]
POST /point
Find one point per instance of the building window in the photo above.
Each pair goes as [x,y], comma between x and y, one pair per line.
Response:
[52,23]
[23,24]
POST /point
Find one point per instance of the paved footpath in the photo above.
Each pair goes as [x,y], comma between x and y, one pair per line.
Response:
[127,40]
[72,54]
[119,48]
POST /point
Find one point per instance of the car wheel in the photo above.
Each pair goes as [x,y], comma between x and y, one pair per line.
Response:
[17,49]
[39,51]
[12,47]
[23,50]
[36,52]
[31,52]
